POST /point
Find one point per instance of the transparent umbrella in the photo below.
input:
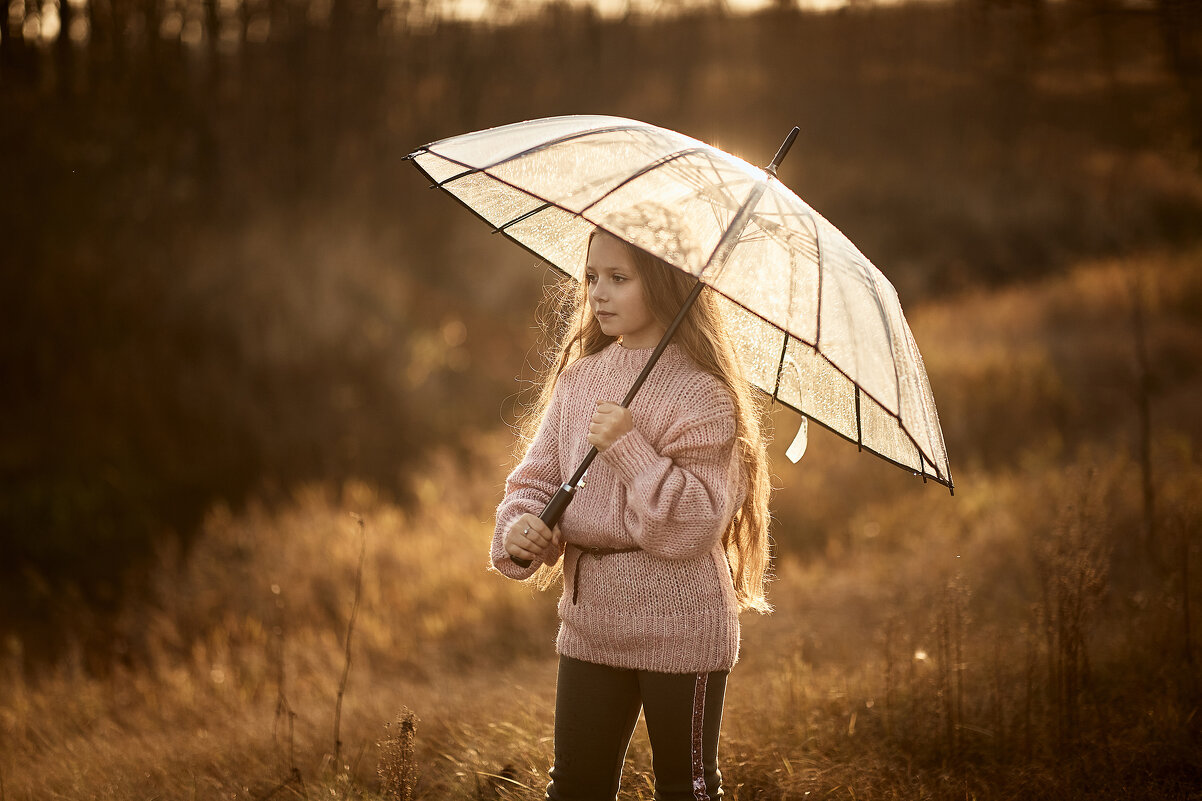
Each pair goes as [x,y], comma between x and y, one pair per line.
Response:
[818,327]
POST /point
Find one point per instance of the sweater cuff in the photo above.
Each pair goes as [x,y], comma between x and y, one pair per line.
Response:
[630,455]
[510,569]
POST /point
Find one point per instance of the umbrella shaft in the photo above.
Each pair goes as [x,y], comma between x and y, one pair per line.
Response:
[663,343]
[558,504]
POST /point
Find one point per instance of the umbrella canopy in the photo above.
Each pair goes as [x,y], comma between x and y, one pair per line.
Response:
[817,326]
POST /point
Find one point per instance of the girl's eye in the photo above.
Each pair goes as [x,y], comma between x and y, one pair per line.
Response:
[619,279]
[590,278]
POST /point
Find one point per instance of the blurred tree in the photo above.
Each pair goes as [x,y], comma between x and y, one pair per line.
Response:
[14,55]
[64,48]
[7,42]
[212,37]
[1181,31]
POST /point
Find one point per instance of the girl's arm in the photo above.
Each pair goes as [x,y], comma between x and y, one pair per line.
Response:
[527,490]
[679,499]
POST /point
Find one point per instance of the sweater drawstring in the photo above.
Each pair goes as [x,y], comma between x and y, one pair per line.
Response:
[596,552]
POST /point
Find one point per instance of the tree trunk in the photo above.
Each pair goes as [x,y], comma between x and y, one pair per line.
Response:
[64,53]
[1181,32]
[12,45]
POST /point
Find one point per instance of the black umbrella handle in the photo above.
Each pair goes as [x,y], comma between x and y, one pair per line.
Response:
[558,504]
[551,514]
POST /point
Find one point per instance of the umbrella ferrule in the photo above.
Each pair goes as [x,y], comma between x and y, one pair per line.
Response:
[783,151]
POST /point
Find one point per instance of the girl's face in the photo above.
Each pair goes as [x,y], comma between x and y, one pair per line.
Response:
[616,296]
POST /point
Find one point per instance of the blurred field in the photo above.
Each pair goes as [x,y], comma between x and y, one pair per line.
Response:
[1022,639]
[235,320]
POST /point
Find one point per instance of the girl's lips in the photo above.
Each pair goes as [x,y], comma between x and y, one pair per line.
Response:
[605,314]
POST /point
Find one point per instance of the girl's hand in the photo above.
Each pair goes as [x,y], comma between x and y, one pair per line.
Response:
[529,538]
[610,422]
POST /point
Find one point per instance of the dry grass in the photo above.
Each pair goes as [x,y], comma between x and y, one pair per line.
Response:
[1018,640]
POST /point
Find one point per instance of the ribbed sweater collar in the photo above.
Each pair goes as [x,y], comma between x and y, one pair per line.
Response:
[621,358]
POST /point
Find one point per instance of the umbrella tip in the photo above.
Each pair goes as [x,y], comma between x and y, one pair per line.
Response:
[784,150]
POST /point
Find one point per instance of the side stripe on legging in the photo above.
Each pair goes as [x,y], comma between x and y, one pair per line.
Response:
[699,792]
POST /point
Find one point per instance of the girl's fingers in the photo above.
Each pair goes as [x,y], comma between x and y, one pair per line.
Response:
[609,422]
[529,538]
[538,530]
[514,550]
[518,545]
[530,533]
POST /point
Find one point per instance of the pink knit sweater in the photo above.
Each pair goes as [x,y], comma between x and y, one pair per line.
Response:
[668,487]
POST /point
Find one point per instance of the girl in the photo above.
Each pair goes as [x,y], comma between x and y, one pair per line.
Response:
[665,545]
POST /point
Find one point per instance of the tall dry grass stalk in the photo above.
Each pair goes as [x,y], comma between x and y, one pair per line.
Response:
[396,768]
[1185,536]
[283,708]
[1143,404]
[1071,565]
[951,618]
[350,631]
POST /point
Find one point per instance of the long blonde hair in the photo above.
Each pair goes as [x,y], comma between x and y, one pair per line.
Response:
[574,333]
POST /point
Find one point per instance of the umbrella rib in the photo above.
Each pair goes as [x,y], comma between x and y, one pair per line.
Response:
[780,365]
[926,399]
[522,154]
[811,345]
[897,375]
[726,245]
[506,234]
[864,272]
[859,426]
[814,346]
[775,395]
[821,280]
[469,171]
[639,173]
[546,203]
[725,188]
[937,477]
[559,140]
[500,229]
[818,245]
[625,181]
[716,181]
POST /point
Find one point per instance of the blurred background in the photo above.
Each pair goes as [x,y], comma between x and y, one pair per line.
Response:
[234,316]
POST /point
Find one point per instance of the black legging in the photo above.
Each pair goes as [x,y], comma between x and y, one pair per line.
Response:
[596,708]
